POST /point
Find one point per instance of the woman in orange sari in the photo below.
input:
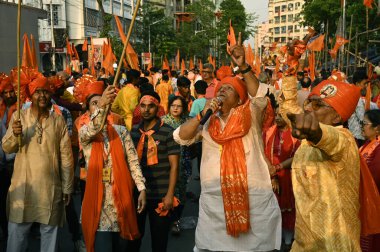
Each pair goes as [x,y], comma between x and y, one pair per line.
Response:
[280,147]
[370,151]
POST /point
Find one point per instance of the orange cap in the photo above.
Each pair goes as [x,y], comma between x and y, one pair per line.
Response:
[343,97]
[86,86]
[223,72]
[55,82]
[237,84]
[38,82]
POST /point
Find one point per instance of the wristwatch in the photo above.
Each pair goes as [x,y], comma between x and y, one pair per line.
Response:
[249,68]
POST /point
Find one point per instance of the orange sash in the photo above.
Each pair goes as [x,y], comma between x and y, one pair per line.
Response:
[122,191]
[233,172]
[152,154]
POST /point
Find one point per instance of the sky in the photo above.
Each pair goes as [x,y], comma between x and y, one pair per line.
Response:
[260,7]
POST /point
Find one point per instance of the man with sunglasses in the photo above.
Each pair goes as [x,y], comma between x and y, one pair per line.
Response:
[326,167]
[360,79]
[42,179]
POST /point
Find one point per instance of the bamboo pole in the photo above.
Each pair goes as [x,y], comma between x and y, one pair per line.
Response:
[349,43]
[122,56]
[358,57]
[326,44]
[18,66]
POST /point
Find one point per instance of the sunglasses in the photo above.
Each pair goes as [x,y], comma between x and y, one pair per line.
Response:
[315,104]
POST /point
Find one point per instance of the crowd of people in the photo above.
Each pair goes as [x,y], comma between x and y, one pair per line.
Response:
[285,163]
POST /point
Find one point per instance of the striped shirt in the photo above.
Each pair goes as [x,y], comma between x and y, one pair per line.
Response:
[157,176]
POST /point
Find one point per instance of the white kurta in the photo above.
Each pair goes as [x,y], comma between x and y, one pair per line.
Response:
[265,215]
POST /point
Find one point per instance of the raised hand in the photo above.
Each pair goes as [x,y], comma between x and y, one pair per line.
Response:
[305,126]
[238,53]
[108,97]
[17,128]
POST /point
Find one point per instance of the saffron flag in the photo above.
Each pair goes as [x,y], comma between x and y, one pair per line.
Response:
[132,58]
[317,44]
[177,60]
[33,52]
[92,58]
[191,64]
[85,45]
[200,65]
[75,52]
[338,43]
[231,39]
[165,63]
[312,65]
[368,3]
[69,50]
[26,53]
[109,59]
[249,57]
[183,67]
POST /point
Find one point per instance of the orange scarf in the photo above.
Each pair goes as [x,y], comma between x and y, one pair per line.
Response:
[122,191]
[233,172]
[152,154]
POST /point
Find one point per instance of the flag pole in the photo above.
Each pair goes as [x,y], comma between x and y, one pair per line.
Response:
[18,67]
[122,56]
[349,43]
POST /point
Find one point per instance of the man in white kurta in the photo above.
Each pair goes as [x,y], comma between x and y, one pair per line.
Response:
[265,216]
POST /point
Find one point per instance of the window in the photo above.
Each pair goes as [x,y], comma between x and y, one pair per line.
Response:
[290,28]
[277,9]
[91,18]
[271,31]
[283,19]
[277,30]
[276,20]
[290,18]
[271,21]
[297,28]
[283,8]
[296,17]
[298,5]
[283,29]
[55,14]
[290,7]
[283,40]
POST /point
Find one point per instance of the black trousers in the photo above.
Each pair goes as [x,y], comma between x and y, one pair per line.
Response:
[109,242]
[72,220]
[5,182]
[159,228]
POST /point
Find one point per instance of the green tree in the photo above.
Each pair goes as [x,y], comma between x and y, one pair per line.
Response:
[241,21]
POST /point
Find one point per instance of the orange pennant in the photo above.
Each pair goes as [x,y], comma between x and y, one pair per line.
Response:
[312,65]
[200,65]
[183,67]
[368,95]
[33,52]
[231,39]
[191,64]
[85,45]
[26,53]
[165,64]
[177,60]
[317,44]
[368,3]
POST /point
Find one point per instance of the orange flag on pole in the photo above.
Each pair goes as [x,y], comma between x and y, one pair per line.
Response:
[27,60]
[33,52]
[109,59]
[200,65]
[183,67]
[368,96]
[85,45]
[92,57]
[132,58]
[191,64]
[69,50]
[75,51]
[231,39]
[338,43]
[317,44]
[368,3]
[249,58]
[258,65]
[165,63]
[177,60]
[312,65]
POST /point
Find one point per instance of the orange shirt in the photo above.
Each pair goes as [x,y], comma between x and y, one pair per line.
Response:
[164,89]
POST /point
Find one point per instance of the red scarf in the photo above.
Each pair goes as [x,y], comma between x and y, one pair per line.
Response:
[233,172]
[152,153]
[122,191]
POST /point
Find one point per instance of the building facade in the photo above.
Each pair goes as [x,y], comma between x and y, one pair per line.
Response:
[284,23]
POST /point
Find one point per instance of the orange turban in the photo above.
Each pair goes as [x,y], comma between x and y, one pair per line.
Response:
[343,97]
[5,83]
[85,71]
[224,71]
[86,86]
[39,82]
[237,84]
[55,82]
[338,76]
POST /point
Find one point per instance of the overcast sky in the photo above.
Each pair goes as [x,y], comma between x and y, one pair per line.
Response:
[260,7]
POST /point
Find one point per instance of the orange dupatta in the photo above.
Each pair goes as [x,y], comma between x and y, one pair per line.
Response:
[233,172]
[122,191]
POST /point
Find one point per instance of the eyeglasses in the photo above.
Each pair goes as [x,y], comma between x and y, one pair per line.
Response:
[207,72]
[315,104]
[183,86]
[175,106]
[363,123]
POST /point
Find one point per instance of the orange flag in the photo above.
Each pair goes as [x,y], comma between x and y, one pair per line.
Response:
[85,45]
[200,65]
[75,51]
[165,63]
[368,95]
[177,60]
[338,43]
[68,47]
[370,71]
[368,3]
[249,58]
[33,52]
[277,66]
[231,39]
[92,58]
[131,55]
[317,44]
[109,59]
[258,65]
[191,64]
[27,60]
[312,65]
[211,60]
[183,67]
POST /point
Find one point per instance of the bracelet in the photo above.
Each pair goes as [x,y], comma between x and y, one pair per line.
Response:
[248,69]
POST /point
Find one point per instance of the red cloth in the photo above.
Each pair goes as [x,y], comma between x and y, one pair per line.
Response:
[341,96]
[5,83]
[278,152]
[55,82]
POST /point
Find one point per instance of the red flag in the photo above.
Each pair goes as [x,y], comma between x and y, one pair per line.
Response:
[85,45]
[191,64]
[177,60]
[27,60]
[317,44]
[183,67]
[231,39]
[368,3]
[33,52]
[131,55]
